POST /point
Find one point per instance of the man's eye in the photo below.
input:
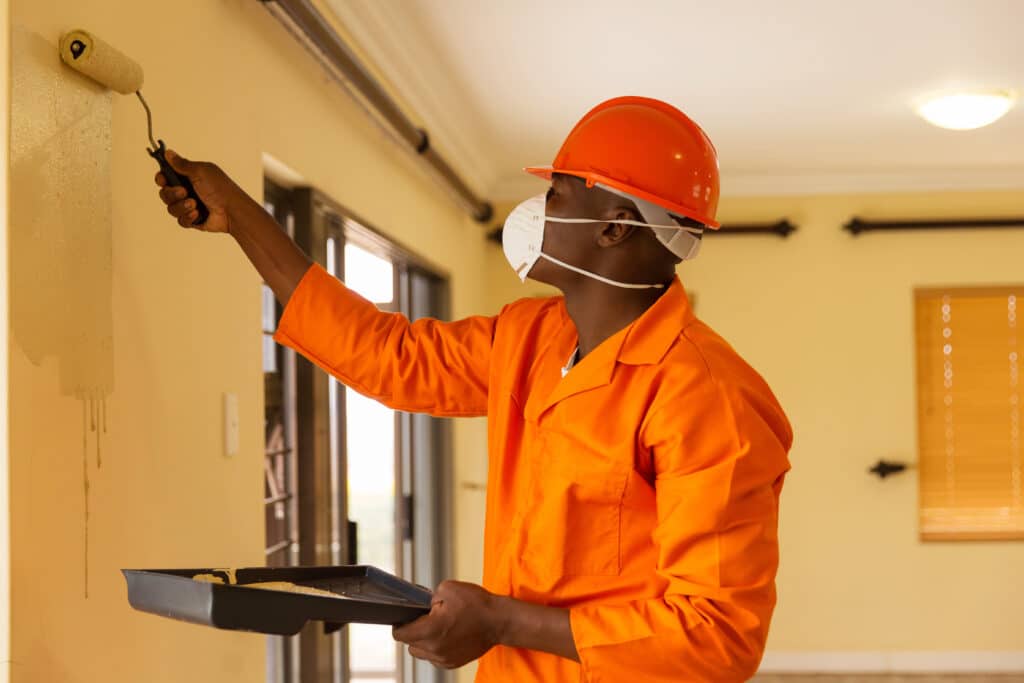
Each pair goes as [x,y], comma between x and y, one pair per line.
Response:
[551,191]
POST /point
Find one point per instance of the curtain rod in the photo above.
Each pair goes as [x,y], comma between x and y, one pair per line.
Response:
[781,228]
[855,226]
[316,33]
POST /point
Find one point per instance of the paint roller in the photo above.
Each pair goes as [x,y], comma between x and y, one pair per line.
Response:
[104,64]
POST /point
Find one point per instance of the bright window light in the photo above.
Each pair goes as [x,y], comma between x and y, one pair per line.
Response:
[369,275]
[966,110]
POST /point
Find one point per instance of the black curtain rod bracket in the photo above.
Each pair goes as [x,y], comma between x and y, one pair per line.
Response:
[885,468]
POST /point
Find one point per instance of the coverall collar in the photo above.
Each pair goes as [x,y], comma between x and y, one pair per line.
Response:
[645,341]
[650,336]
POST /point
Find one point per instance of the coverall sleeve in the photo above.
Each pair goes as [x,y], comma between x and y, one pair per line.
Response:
[719,464]
[425,366]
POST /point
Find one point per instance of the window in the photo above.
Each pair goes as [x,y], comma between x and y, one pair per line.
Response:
[969,410]
[359,483]
[396,467]
[371,463]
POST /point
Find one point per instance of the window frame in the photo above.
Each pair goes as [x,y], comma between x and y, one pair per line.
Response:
[324,531]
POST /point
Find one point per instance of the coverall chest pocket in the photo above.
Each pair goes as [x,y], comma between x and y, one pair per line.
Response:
[576,510]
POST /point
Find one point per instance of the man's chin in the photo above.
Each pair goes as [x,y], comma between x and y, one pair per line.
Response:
[542,272]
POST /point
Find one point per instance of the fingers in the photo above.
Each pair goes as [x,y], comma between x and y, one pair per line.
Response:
[169,195]
[184,211]
[421,629]
[180,205]
[426,655]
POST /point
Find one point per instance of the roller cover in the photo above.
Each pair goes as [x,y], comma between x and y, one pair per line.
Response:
[101,62]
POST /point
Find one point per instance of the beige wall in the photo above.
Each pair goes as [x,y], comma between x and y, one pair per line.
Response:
[827,318]
[227,83]
[5,573]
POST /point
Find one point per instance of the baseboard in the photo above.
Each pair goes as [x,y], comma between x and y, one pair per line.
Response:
[912,661]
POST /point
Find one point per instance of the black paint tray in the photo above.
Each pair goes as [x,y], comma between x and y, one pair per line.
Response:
[365,595]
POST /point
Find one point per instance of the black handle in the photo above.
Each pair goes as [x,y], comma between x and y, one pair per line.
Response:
[175,180]
[353,542]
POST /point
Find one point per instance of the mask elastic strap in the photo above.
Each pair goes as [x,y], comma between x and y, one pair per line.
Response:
[693,231]
[614,283]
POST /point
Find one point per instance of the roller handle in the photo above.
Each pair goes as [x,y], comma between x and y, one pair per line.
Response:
[174,179]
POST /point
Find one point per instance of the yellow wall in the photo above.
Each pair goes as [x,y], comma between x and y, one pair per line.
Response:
[226,83]
[827,318]
[5,573]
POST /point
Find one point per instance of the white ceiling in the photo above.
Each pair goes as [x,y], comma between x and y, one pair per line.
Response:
[798,95]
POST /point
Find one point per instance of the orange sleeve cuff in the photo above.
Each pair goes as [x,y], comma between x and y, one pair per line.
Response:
[296,320]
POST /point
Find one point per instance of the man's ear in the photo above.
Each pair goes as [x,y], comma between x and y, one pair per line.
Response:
[613,233]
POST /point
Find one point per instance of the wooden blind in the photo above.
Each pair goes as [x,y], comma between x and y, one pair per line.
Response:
[969,412]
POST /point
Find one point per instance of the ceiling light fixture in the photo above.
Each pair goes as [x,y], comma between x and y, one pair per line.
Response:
[966,110]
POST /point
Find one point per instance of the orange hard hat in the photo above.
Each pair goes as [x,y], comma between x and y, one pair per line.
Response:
[645,148]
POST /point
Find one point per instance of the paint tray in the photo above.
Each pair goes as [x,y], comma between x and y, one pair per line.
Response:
[361,594]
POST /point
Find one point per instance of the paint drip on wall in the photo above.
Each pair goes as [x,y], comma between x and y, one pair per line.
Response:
[60,232]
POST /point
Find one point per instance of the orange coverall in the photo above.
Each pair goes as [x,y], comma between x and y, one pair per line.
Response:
[641,491]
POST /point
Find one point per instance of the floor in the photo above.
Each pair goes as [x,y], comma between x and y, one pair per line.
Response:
[890,678]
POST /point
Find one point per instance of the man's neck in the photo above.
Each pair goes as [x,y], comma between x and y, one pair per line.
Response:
[599,310]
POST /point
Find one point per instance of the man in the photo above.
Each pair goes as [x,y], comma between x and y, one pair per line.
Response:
[635,460]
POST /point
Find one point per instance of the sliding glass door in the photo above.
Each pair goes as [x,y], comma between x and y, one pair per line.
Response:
[368,485]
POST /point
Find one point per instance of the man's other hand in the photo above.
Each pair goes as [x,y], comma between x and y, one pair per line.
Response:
[463,624]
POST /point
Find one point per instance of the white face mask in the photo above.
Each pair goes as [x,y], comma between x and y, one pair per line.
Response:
[523,240]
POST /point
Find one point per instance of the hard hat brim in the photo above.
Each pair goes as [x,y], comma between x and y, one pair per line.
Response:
[592,179]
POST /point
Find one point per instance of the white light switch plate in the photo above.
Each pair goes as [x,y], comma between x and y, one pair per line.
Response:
[230,424]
